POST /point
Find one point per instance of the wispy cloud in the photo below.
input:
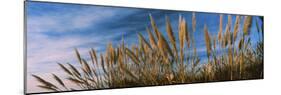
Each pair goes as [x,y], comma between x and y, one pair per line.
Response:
[66,21]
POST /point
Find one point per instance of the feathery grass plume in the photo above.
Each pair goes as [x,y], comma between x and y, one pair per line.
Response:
[226,38]
[129,73]
[65,69]
[154,27]
[93,54]
[45,83]
[134,50]
[247,25]
[78,55]
[164,46]
[187,36]
[151,38]
[95,72]
[170,31]
[236,27]
[92,58]
[142,40]
[228,30]
[74,70]
[111,53]
[121,57]
[207,40]
[144,49]
[181,34]
[193,22]
[241,43]
[59,80]
[227,35]
[161,47]
[220,28]
[229,22]
[103,64]
[132,56]
[214,42]
[86,67]
[181,37]
[78,82]
[171,34]
[94,62]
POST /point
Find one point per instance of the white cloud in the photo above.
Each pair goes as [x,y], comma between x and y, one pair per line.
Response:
[66,21]
[44,48]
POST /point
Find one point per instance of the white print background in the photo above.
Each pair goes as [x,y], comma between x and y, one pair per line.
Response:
[11,49]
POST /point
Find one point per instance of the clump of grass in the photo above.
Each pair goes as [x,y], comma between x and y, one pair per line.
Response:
[160,61]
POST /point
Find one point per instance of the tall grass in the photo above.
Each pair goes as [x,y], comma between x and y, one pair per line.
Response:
[161,60]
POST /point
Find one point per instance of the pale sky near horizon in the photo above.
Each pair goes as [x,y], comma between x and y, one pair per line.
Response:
[54,30]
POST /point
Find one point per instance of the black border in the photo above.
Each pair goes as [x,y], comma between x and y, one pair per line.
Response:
[25,47]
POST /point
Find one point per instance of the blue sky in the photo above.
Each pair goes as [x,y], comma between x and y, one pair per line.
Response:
[54,30]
